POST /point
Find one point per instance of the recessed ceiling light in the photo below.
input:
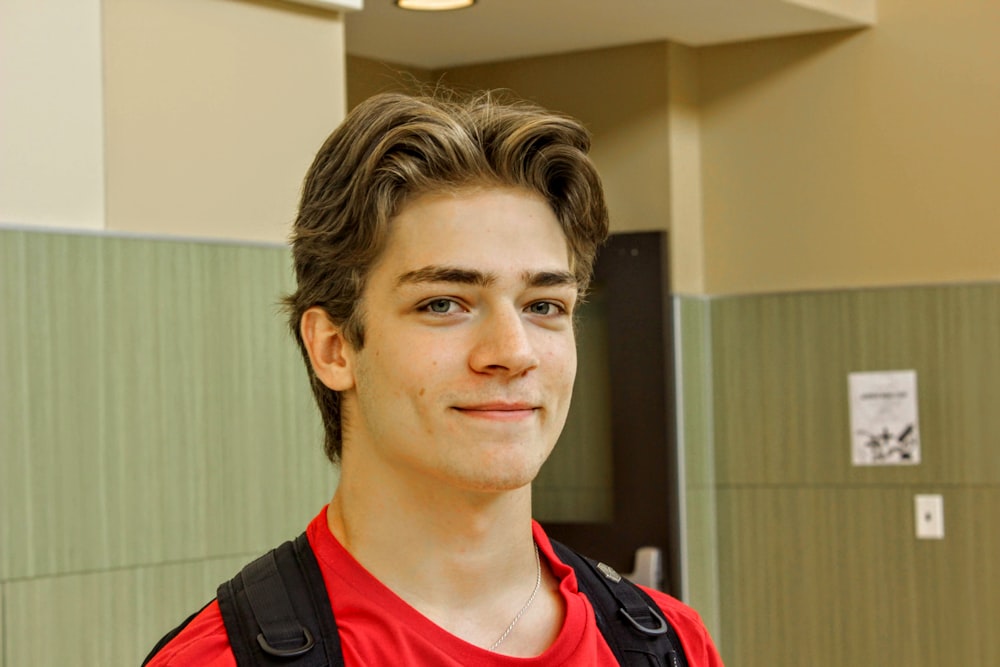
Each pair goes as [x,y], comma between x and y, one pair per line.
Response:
[434,5]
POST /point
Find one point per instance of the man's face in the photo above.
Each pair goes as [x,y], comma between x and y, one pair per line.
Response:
[469,357]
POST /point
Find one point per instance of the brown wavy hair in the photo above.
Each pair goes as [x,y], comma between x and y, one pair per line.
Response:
[394,147]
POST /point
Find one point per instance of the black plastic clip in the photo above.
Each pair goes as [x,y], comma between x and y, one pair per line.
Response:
[661,627]
[287,653]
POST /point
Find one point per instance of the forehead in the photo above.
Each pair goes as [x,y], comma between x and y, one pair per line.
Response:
[486,228]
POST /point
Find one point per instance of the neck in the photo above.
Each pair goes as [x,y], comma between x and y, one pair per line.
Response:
[463,559]
[443,528]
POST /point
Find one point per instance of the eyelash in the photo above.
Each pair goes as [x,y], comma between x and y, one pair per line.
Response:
[428,307]
[558,308]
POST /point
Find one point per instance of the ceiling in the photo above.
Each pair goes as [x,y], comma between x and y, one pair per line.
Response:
[495,30]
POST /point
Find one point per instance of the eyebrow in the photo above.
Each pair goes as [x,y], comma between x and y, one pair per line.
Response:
[464,276]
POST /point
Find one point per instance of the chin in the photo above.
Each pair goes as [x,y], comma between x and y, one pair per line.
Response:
[498,467]
[509,478]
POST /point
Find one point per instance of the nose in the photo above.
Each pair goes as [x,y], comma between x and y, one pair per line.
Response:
[503,345]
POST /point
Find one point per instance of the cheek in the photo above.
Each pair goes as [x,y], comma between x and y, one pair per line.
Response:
[561,360]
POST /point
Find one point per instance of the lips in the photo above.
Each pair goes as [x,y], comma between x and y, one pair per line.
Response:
[499,411]
[498,406]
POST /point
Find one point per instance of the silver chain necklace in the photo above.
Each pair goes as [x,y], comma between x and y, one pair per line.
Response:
[538,584]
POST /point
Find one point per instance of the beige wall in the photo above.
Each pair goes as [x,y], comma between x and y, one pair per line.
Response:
[177,117]
[367,77]
[687,244]
[51,114]
[215,109]
[855,159]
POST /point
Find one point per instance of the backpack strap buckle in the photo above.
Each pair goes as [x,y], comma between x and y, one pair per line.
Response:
[287,652]
[660,622]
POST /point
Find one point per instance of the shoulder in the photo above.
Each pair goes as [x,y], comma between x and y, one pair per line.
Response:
[203,641]
[686,622]
[698,645]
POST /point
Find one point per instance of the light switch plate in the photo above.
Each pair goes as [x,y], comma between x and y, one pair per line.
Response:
[929,515]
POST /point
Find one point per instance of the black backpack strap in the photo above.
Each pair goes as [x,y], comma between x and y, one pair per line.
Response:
[632,624]
[277,611]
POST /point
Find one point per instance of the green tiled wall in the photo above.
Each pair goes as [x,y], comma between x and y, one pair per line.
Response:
[817,559]
[692,322]
[781,365]
[110,617]
[154,412]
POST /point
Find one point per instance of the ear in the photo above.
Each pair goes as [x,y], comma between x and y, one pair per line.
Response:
[329,352]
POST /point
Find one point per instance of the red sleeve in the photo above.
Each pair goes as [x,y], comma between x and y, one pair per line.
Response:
[202,642]
[698,645]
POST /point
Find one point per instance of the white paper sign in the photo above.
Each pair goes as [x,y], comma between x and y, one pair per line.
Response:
[884,427]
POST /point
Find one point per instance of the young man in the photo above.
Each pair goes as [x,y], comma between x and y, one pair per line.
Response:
[440,249]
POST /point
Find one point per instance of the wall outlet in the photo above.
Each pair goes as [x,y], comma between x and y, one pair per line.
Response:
[929,514]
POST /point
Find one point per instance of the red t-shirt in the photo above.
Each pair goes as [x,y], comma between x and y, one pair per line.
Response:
[361,605]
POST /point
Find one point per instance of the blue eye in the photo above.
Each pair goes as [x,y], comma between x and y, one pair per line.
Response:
[544,308]
[439,306]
